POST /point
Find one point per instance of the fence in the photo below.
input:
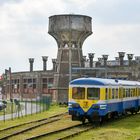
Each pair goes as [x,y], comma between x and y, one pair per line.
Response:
[15,108]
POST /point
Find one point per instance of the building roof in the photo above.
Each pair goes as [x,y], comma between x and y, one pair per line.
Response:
[103,82]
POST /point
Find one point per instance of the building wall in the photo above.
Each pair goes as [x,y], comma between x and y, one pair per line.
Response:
[33,84]
[29,84]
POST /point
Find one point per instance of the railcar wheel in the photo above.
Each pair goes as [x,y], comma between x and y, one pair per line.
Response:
[73,118]
[97,123]
[124,112]
[83,120]
[136,110]
[101,120]
[90,121]
[132,112]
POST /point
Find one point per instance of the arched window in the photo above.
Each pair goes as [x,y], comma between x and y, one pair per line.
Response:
[73,46]
[66,46]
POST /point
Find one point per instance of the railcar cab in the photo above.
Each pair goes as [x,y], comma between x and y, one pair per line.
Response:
[85,96]
[82,97]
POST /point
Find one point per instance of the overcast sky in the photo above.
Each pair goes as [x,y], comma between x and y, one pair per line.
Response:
[24,29]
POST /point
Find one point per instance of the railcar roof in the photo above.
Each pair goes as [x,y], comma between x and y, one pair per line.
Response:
[103,82]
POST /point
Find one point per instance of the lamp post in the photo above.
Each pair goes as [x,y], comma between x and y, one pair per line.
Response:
[1,91]
[10,92]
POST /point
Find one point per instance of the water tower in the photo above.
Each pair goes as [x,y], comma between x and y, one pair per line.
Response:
[70,32]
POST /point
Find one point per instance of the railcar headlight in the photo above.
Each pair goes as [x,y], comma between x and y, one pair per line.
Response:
[95,106]
[70,105]
[75,105]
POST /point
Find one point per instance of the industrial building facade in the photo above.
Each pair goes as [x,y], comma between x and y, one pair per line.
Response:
[69,31]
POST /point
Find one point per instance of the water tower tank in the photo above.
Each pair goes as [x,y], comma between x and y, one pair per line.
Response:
[69,31]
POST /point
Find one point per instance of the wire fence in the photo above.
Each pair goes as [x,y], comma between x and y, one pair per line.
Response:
[14,108]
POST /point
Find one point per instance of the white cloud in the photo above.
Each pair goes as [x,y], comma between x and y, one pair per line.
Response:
[112,39]
[79,4]
[24,27]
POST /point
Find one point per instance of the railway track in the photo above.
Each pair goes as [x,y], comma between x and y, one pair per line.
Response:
[18,129]
[74,130]
[57,133]
[65,132]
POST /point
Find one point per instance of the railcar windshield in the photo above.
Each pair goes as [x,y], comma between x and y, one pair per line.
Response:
[93,93]
[78,93]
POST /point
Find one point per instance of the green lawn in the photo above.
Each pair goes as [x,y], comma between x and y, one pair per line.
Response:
[53,110]
[124,129]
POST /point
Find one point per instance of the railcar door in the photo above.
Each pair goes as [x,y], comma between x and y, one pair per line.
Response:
[93,96]
[121,95]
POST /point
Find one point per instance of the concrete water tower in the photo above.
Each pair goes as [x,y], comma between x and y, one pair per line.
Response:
[70,32]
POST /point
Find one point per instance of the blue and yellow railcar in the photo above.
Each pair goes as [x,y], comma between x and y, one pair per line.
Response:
[97,98]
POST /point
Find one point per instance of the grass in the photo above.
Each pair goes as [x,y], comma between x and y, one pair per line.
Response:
[124,129]
[53,110]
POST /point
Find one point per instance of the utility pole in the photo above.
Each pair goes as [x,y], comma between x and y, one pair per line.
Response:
[10,82]
[10,92]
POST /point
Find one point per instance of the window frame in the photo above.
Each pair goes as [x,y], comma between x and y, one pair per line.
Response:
[95,97]
[84,93]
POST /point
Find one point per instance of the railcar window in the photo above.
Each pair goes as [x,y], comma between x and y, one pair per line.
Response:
[127,92]
[93,93]
[134,92]
[131,91]
[113,93]
[110,93]
[137,92]
[106,94]
[120,92]
[78,93]
[116,93]
[123,92]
